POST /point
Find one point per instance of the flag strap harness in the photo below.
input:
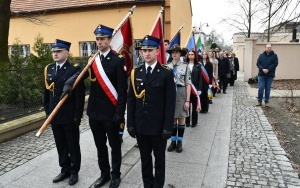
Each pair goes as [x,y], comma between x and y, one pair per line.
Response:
[104,81]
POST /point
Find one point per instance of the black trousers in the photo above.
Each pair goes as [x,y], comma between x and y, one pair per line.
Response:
[67,143]
[101,131]
[147,144]
[194,114]
[204,101]
[223,82]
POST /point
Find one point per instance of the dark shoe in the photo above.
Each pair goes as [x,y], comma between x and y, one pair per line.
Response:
[224,92]
[218,91]
[214,94]
[179,147]
[101,181]
[187,125]
[136,145]
[172,146]
[210,102]
[61,177]
[73,179]
[114,183]
[259,104]
[194,125]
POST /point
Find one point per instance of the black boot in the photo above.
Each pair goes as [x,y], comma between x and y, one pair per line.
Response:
[179,147]
[172,146]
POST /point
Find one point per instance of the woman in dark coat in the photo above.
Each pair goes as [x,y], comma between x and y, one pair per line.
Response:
[206,83]
[196,78]
[236,67]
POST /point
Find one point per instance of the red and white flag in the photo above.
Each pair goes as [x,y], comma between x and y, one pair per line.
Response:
[157,32]
[122,42]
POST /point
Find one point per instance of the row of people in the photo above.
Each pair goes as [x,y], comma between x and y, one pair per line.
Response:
[155,90]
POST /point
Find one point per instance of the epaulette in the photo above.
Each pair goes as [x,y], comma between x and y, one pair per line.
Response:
[166,67]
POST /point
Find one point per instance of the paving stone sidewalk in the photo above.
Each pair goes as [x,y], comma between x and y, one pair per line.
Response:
[20,150]
[256,158]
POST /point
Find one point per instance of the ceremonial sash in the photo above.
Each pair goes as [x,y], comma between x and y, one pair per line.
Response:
[104,81]
[204,74]
[194,92]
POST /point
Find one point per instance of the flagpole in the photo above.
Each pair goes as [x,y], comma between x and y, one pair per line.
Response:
[81,75]
[181,27]
[130,12]
[158,16]
[192,33]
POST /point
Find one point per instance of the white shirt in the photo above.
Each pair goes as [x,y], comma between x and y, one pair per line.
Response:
[105,53]
[152,66]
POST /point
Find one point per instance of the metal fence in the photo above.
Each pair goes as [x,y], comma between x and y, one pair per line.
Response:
[21,93]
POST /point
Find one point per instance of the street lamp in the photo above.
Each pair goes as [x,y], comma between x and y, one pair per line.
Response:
[203,25]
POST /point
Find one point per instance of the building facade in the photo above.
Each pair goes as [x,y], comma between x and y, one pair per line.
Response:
[75,20]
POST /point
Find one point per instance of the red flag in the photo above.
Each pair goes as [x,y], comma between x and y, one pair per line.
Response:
[158,33]
[122,42]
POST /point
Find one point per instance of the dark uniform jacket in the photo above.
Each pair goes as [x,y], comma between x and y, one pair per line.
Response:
[154,112]
[99,105]
[73,107]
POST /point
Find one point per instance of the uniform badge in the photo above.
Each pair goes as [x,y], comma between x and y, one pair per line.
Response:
[125,68]
[65,68]
[158,70]
[108,58]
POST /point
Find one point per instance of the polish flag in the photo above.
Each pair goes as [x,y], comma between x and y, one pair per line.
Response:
[122,43]
[157,32]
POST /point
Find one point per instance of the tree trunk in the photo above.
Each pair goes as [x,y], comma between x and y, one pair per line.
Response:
[4,30]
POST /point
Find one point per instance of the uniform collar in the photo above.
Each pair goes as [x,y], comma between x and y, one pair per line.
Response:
[105,53]
[152,66]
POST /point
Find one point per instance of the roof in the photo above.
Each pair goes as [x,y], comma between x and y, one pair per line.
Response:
[28,6]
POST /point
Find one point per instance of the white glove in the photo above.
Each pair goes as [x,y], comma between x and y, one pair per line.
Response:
[199,92]
[210,86]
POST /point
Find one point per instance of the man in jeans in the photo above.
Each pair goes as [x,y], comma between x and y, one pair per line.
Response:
[266,63]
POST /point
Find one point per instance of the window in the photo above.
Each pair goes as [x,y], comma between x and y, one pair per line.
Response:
[22,50]
[87,48]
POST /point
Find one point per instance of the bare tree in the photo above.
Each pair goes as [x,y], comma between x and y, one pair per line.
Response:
[4,30]
[242,20]
[278,13]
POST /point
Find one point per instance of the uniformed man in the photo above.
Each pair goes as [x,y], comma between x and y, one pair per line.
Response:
[150,111]
[106,105]
[65,125]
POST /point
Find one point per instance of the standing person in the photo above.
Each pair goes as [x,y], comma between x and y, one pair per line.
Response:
[106,111]
[183,91]
[196,78]
[106,105]
[207,82]
[266,64]
[65,124]
[233,71]
[150,111]
[167,46]
[224,69]
[215,63]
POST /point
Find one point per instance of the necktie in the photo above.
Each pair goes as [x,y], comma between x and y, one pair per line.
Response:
[57,68]
[148,72]
[175,75]
[101,57]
